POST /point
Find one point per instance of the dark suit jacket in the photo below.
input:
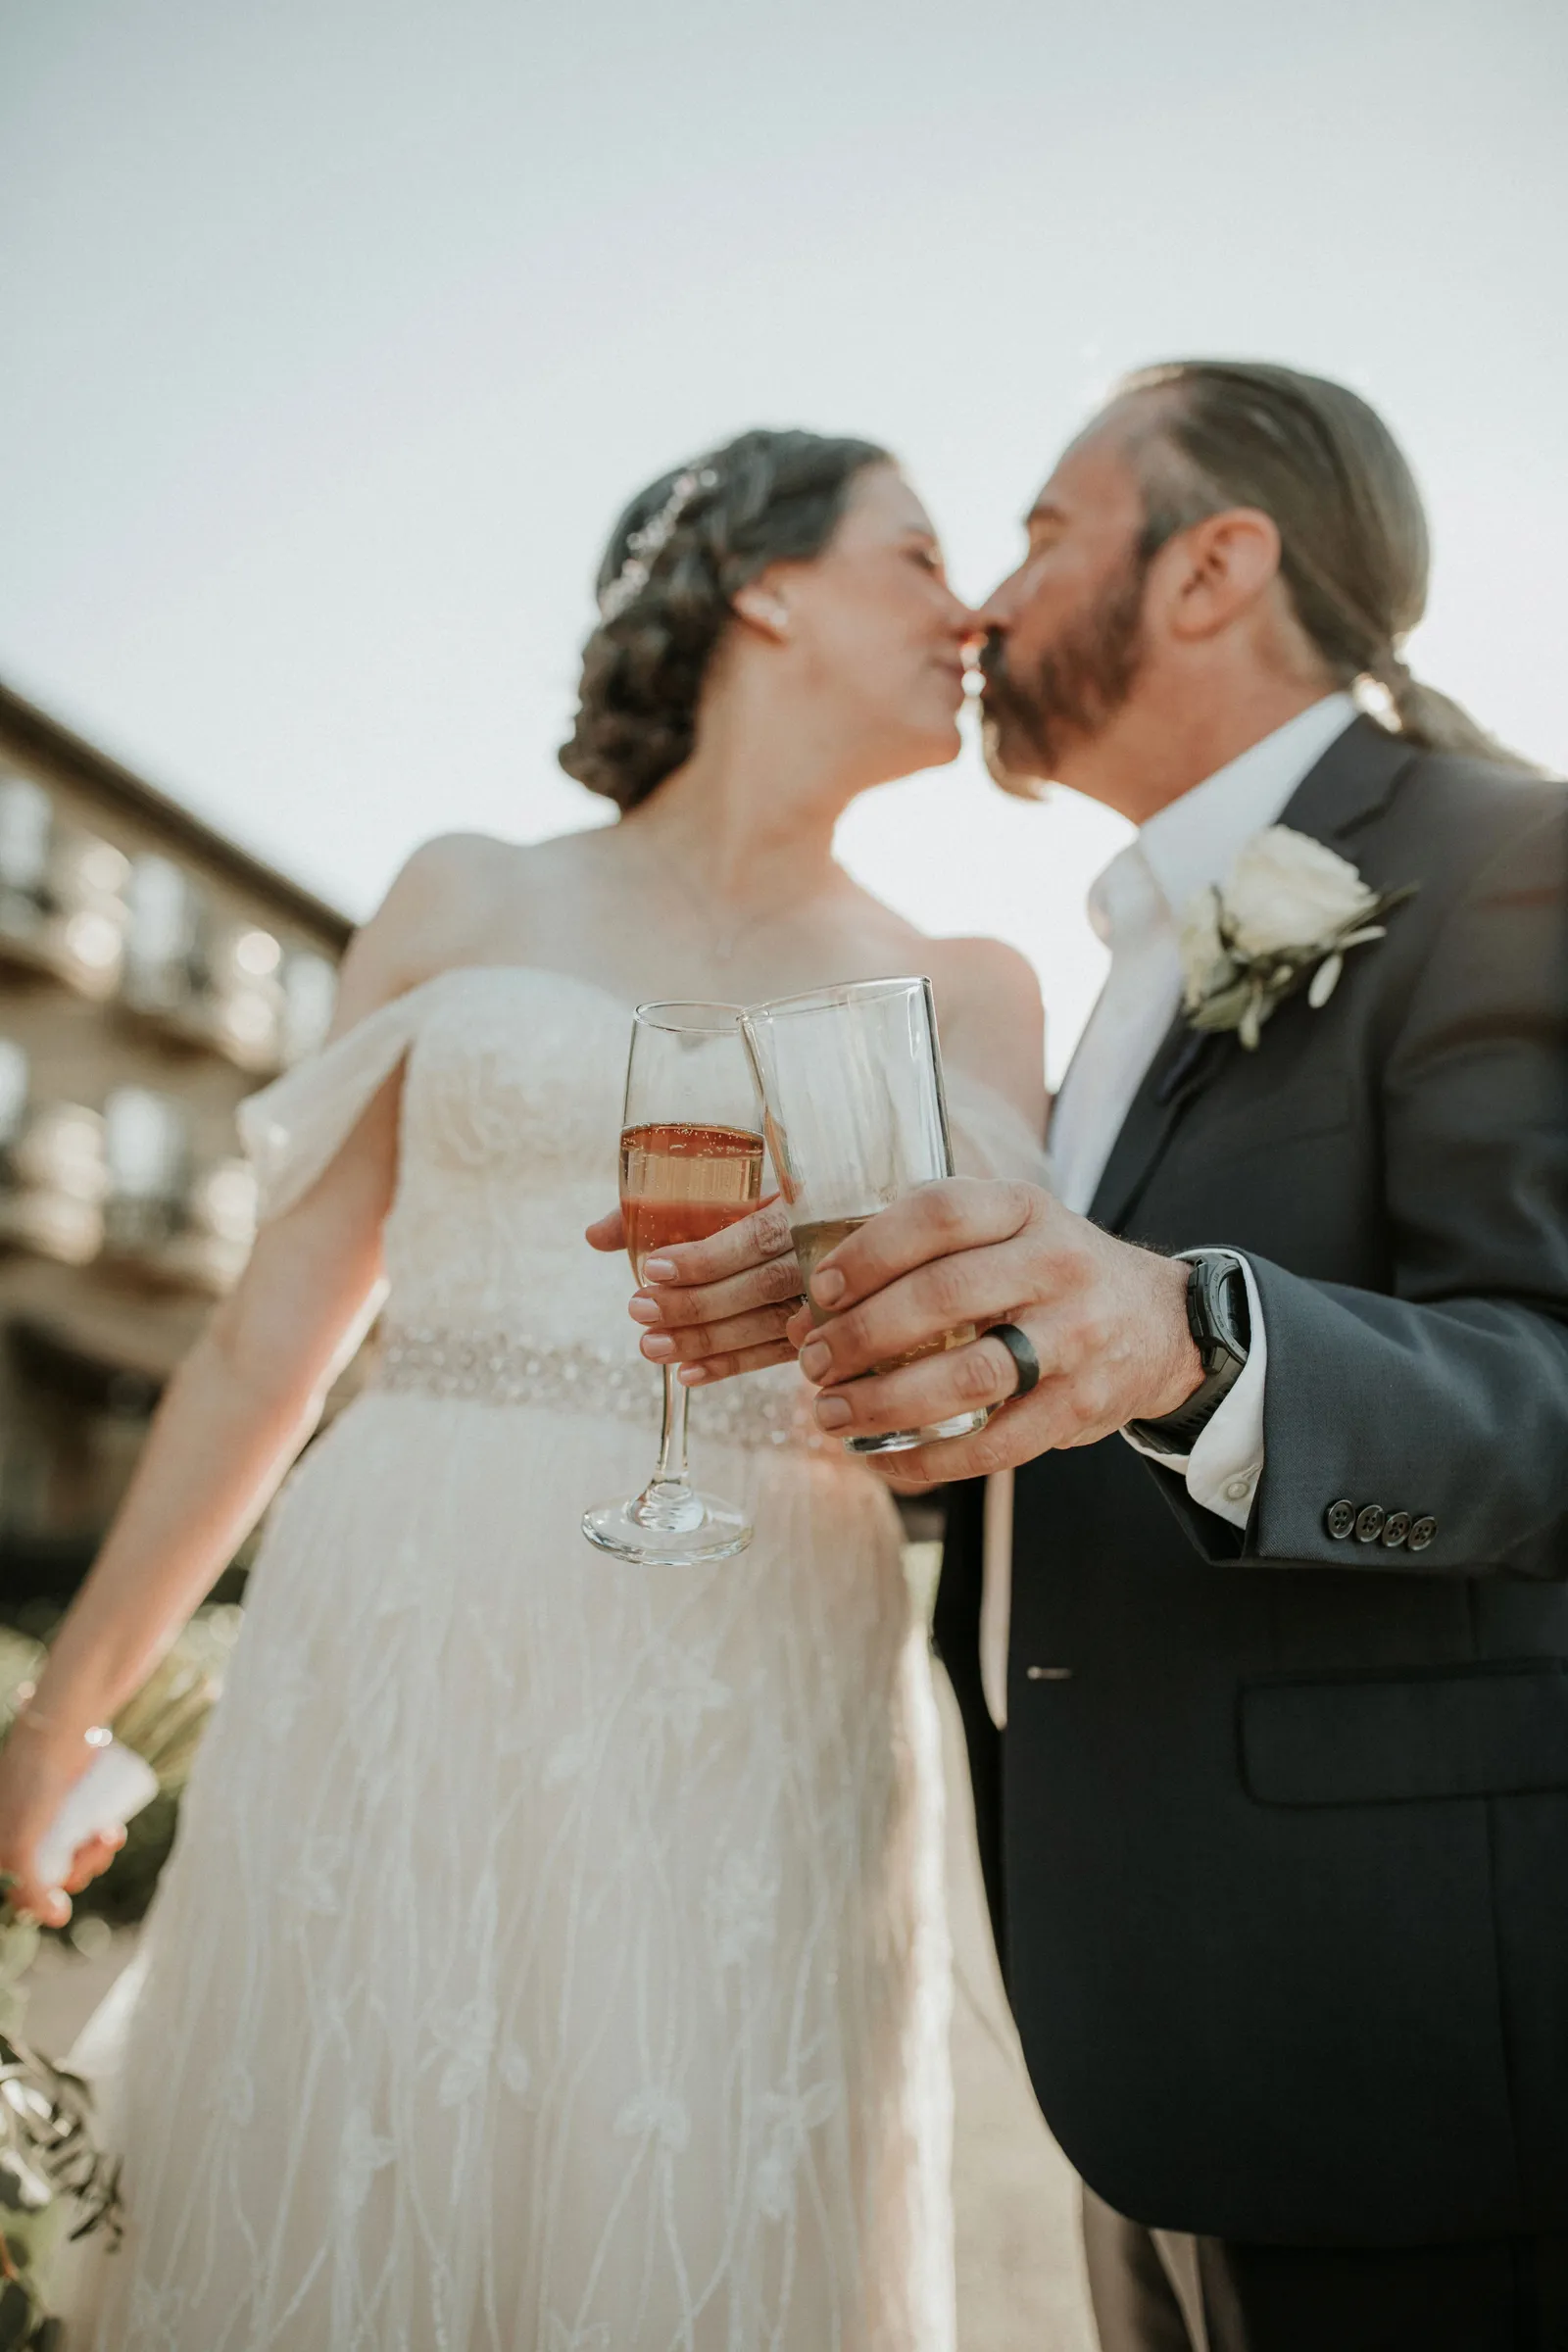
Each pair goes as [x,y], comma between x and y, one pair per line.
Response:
[1278,1850]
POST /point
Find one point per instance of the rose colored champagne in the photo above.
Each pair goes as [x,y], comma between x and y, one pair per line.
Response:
[680,1183]
[691,1164]
[813,1243]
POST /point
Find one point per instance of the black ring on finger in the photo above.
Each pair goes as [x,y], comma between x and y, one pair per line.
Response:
[1020,1347]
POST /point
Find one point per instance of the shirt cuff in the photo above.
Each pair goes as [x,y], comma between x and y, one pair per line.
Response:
[1226,1461]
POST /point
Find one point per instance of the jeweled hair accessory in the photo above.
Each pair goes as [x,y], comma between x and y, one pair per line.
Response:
[644,547]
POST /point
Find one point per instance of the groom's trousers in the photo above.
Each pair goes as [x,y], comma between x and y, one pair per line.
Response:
[1163,2291]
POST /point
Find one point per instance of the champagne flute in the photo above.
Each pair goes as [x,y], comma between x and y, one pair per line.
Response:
[854,1117]
[690,1162]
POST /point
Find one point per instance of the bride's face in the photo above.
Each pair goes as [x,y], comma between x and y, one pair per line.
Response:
[877,634]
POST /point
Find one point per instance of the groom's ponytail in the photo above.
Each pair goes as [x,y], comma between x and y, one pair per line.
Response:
[1354,550]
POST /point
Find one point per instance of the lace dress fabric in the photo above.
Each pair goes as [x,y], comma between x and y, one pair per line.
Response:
[552,1954]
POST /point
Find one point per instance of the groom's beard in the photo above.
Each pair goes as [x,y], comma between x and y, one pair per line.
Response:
[1077,687]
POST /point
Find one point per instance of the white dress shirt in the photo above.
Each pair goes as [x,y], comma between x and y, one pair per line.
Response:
[1135,907]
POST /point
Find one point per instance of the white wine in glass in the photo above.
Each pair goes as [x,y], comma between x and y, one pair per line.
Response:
[856,1116]
[691,1164]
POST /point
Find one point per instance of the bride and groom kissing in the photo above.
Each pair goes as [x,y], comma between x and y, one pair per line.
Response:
[552,1954]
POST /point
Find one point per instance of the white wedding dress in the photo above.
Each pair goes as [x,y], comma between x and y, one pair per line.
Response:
[552,1958]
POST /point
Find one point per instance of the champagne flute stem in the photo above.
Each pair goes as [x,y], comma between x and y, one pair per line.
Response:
[672,1470]
[666,1505]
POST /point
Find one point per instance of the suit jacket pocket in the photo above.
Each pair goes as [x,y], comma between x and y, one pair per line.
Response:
[1498,1730]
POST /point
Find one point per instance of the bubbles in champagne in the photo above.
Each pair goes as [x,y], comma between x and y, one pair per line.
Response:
[680,1183]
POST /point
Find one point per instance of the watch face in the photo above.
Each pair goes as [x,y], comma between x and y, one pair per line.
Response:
[1228,1300]
[1236,1301]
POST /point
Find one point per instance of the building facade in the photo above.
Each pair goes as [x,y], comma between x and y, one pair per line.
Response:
[152,973]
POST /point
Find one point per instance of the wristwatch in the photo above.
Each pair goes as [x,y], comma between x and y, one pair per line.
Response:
[1221,1329]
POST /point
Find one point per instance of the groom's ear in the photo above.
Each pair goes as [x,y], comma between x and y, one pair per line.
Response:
[1219,569]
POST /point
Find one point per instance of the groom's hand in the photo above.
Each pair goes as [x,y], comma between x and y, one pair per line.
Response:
[1107,1321]
[720,1306]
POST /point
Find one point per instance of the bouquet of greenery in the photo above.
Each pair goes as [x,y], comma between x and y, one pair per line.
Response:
[54,2184]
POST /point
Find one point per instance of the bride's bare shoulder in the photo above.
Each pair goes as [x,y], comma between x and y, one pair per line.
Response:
[458,899]
[440,902]
[993,1018]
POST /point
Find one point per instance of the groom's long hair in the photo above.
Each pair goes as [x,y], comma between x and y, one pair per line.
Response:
[1354,549]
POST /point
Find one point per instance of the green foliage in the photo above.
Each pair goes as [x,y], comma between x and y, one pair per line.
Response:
[53,2183]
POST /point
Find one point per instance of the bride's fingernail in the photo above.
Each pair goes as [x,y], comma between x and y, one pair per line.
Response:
[660,1269]
[659,1345]
[691,1376]
[645,1311]
[829,1289]
[832,1412]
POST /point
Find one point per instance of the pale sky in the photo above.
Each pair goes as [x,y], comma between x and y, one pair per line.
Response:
[335,335]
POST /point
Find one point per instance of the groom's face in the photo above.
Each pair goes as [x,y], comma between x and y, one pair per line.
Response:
[1065,630]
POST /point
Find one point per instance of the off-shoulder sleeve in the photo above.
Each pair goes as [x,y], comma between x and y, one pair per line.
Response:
[294,1128]
[990,1138]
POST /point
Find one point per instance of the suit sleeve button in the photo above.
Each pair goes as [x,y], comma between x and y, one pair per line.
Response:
[1369,1523]
[1396,1527]
[1422,1534]
[1338,1519]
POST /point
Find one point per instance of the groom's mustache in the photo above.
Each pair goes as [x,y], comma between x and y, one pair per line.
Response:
[999,695]
[1005,711]
[993,660]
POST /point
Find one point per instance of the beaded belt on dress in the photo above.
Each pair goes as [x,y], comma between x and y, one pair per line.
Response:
[496,1368]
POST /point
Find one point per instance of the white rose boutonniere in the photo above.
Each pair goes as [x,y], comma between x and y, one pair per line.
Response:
[1286,918]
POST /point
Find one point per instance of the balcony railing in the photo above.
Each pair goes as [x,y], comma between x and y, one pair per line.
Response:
[120,1187]
[63,892]
[146,931]
[53,1181]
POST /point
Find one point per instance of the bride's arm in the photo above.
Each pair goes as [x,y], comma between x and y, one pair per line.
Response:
[232,1419]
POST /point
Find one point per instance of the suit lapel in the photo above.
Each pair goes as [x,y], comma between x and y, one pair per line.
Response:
[1350,785]
[1186,1061]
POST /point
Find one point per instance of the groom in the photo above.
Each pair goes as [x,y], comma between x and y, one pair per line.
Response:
[1269,1710]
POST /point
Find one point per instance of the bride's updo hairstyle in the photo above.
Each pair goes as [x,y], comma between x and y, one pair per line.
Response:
[676,558]
[1354,549]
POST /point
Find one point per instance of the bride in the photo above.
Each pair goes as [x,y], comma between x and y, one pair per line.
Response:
[552,1954]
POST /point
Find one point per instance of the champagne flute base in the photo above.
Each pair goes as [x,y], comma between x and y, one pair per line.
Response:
[626,1529]
[901,1441]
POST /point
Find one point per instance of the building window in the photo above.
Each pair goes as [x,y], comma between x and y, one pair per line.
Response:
[163,963]
[14,1084]
[52,1170]
[147,1146]
[63,902]
[26,821]
[204,979]
[183,1223]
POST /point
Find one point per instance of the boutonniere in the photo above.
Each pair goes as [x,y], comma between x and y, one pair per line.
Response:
[1287,916]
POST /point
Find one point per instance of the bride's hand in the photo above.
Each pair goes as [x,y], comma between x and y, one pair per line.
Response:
[38,1769]
[720,1306]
